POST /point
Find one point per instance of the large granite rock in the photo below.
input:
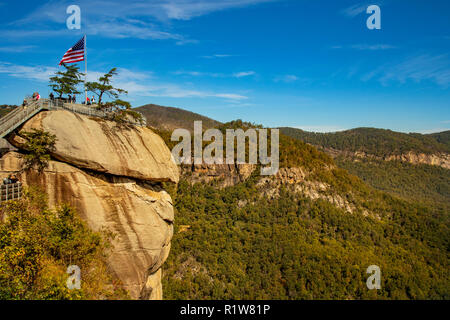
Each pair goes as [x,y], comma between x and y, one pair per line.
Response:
[140,217]
[102,146]
[112,177]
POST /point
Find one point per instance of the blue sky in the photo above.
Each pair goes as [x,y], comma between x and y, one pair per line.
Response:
[311,64]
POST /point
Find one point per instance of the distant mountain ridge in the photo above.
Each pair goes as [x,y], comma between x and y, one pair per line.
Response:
[170,118]
[6,108]
[379,142]
[415,174]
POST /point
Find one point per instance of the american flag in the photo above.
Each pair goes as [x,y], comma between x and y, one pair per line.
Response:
[74,54]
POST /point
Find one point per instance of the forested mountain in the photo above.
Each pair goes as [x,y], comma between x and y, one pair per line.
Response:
[362,152]
[5,109]
[442,137]
[311,231]
[420,183]
[234,244]
[170,118]
[378,142]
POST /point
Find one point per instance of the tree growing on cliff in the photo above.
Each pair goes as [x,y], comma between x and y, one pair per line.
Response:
[104,87]
[39,144]
[122,111]
[66,82]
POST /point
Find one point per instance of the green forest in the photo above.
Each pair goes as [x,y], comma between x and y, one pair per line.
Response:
[37,244]
[233,243]
[379,142]
[425,183]
[296,248]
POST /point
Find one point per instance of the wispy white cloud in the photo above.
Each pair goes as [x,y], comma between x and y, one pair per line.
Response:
[359,8]
[117,30]
[116,19]
[213,56]
[27,72]
[159,9]
[16,49]
[188,9]
[122,29]
[416,68]
[240,74]
[244,74]
[371,47]
[145,85]
[287,78]
[184,41]
[170,90]
[354,10]
[199,74]
[137,83]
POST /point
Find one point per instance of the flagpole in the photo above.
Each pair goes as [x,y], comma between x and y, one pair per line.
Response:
[85,69]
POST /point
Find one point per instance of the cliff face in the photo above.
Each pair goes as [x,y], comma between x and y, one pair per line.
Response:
[112,176]
[225,175]
[297,179]
[438,159]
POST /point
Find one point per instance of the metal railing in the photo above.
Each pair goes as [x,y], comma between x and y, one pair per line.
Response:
[11,191]
[11,122]
[18,116]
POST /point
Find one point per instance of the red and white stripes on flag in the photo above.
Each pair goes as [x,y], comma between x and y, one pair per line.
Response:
[74,54]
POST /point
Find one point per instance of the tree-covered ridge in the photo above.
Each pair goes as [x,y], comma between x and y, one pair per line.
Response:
[170,118]
[233,243]
[293,152]
[425,183]
[5,109]
[236,243]
[374,141]
[442,137]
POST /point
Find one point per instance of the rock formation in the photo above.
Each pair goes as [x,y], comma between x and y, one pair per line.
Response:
[113,176]
[438,159]
[225,175]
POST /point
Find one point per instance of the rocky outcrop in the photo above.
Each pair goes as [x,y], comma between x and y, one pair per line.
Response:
[442,160]
[224,174]
[296,179]
[438,159]
[123,195]
[102,146]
